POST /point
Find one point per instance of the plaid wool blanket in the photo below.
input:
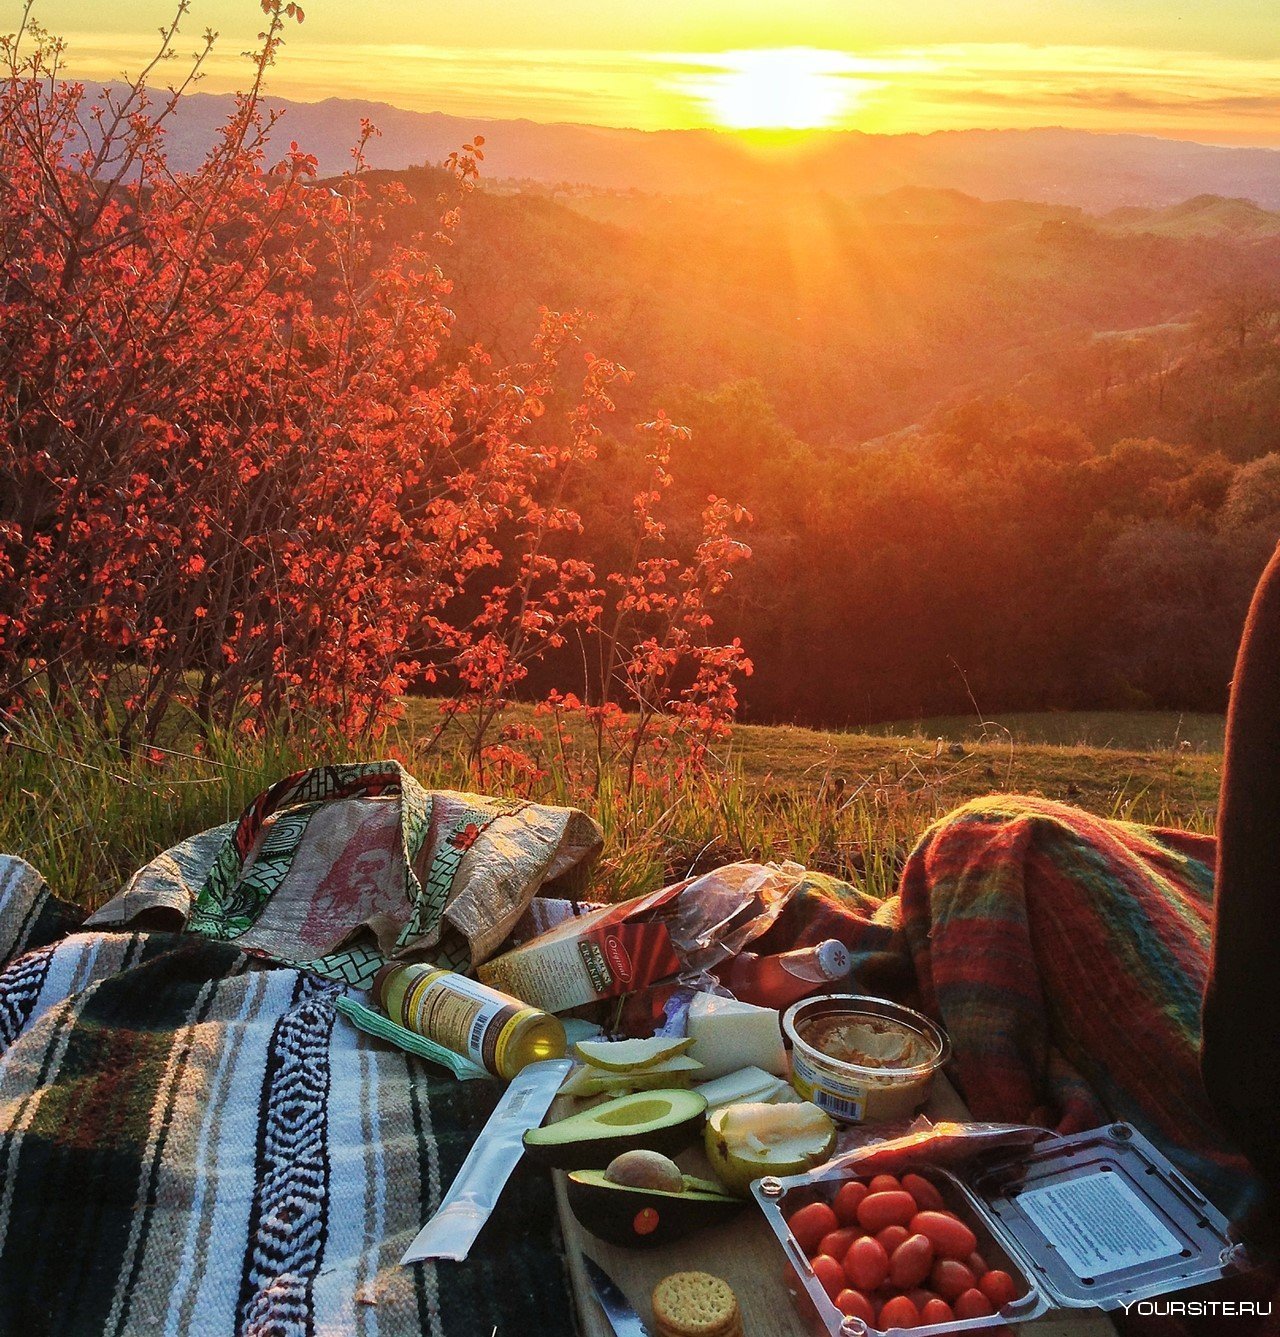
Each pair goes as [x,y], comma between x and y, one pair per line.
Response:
[1066,956]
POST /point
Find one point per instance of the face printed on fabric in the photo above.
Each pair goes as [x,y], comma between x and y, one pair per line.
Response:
[359,883]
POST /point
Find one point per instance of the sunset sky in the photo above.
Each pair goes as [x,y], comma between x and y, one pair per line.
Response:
[1204,71]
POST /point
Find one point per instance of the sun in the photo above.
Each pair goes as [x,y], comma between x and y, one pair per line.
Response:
[782,88]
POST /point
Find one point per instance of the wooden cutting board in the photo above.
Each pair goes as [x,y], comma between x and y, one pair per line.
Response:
[746,1254]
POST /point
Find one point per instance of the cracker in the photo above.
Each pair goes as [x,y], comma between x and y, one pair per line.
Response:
[695,1304]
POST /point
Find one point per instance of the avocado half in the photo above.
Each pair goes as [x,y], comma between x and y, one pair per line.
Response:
[665,1121]
[639,1218]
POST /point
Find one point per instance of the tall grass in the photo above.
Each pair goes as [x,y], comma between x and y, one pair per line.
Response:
[87,814]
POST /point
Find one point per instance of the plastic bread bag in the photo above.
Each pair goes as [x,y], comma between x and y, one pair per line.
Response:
[717,914]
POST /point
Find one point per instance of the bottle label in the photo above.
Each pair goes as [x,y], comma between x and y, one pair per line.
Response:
[460,1013]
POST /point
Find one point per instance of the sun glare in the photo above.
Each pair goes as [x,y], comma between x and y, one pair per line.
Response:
[787,88]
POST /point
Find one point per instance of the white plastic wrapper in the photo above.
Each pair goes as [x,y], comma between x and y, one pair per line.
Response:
[474,1193]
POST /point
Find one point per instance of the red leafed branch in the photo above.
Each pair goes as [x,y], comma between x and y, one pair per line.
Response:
[248,474]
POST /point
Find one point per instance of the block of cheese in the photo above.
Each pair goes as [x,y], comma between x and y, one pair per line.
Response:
[728,1035]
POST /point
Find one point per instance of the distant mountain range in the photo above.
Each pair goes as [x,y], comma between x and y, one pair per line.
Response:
[1096,172]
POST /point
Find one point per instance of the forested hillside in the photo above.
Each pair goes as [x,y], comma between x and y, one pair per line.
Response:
[1002,453]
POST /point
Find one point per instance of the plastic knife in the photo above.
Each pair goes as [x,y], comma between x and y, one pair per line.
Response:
[617,1308]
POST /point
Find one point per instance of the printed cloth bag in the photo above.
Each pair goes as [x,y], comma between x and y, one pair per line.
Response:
[339,868]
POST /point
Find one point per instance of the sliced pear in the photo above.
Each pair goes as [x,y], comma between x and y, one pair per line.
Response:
[666,1121]
[747,1142]
[588,1081]
[631,1055]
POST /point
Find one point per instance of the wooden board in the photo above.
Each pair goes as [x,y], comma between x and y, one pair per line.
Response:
[746,1254]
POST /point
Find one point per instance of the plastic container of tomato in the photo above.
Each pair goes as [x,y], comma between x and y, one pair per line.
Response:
[1095,1220]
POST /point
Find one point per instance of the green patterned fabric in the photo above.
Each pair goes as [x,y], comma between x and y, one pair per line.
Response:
[339,868]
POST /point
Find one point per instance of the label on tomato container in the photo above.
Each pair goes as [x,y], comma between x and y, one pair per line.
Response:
[1098,1224]
[841,1099]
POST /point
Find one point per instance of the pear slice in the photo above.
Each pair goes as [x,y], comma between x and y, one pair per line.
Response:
[588,1081]
[631,1055]
[747,1142]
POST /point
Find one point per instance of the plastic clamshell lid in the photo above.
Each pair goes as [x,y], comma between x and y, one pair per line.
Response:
[1103,1218]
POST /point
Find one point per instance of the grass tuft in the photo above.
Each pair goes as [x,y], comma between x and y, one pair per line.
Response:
[853,805]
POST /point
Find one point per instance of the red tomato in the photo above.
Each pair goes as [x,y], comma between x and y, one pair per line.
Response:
[892,1236]
[911,1262]
[829,1273]
[920,1296]
[847,1200]
[928,1199]
[973,1304]
[884,1184]
[951,1237]
[998,1287]
[866,1264]
[977,1264]
[810,1223]
[856,1305]
[936,1311]
[899,1313]
[950,1278]
[836,1242]
[878,1210]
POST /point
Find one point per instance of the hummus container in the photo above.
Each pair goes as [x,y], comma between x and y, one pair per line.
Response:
[861,1058]
[1094,1220]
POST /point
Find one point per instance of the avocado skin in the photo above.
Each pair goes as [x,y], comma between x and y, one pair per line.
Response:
[595,1153]
[612,1212]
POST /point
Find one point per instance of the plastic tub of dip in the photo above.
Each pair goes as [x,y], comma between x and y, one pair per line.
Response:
[863,1059]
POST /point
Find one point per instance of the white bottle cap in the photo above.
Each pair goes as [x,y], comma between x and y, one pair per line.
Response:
[833,959]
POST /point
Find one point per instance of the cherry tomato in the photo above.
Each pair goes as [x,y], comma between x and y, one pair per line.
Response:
[884,1184]
[911,1262]
[810,1223]
[836,1242]
[895,1208]
[951,1279]
[951,1237]
[866,1264]
[856,1305]
[998,1287]
[892,1236]
[847,1200]
[928,1199]
[829,1273]
[936,1311]
[899,1312]
[977,1264]
[973,1304]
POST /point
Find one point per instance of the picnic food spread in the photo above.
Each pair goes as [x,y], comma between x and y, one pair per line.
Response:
[764,1097]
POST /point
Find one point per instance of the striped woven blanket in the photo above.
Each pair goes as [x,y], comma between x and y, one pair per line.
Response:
[191,1142]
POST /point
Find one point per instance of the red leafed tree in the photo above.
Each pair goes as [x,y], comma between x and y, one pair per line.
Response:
[244,469]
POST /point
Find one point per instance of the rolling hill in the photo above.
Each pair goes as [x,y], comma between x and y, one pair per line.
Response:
[1096,172]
